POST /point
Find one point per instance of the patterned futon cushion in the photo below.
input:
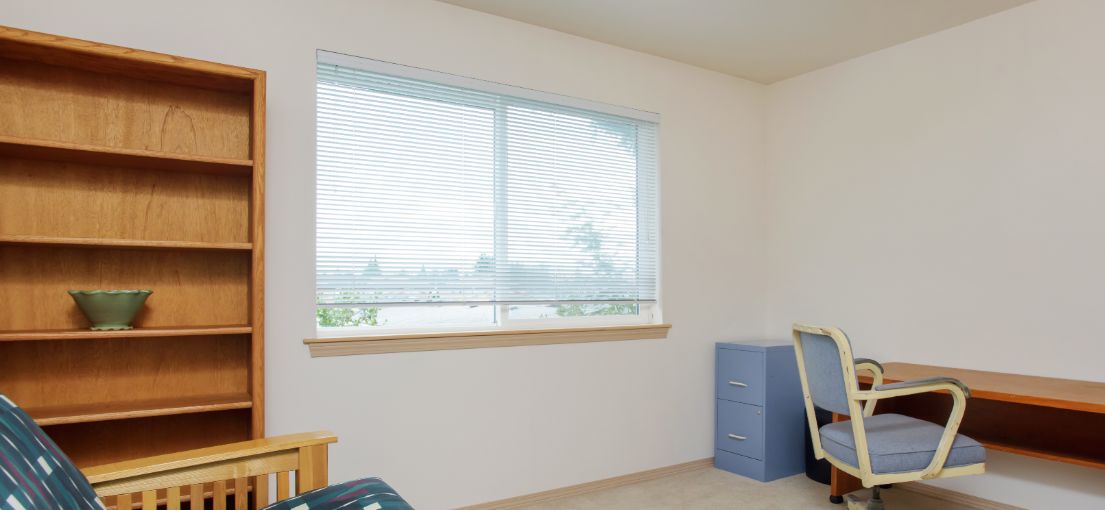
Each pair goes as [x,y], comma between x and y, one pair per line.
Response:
[363,494]
[34,474]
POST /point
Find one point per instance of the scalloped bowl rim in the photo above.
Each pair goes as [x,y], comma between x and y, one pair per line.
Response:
[93,292]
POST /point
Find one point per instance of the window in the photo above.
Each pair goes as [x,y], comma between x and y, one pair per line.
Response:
[450,203]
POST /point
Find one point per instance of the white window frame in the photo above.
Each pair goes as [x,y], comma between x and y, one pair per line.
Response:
[649,312]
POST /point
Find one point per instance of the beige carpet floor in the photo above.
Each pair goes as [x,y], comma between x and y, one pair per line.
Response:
[713,489]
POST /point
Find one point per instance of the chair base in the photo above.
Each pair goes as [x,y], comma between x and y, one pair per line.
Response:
[873,503]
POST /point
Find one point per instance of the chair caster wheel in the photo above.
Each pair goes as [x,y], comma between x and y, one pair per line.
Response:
[873,503]
[836,500]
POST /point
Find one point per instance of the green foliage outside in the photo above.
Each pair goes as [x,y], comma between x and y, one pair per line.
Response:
[588,239]
[342,317]
[593,309]
[347,317]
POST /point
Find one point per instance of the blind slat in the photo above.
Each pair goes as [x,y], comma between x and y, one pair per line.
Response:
[434,193]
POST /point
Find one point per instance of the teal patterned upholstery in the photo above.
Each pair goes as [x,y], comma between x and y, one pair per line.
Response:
[34,473]
[363,494]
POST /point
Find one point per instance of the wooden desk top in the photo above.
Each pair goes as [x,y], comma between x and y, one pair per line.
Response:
[1023,389]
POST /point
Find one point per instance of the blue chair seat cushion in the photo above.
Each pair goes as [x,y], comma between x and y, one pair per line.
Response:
[362,494]
[898,444]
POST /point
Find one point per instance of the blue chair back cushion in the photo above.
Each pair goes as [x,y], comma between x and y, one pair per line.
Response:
[823,373]
[34,473]
[898,444]
[363,494]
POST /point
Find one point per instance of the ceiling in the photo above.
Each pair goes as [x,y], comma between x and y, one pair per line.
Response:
[761,40]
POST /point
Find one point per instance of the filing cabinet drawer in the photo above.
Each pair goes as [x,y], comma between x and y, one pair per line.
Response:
[740,376]
[739,464]
[740,429]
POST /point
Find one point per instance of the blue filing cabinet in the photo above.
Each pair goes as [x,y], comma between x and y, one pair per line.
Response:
[760,418]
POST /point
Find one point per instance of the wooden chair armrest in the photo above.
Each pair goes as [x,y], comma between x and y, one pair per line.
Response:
[235,460]
[959,393]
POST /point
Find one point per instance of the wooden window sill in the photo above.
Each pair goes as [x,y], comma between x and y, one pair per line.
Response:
[410,342]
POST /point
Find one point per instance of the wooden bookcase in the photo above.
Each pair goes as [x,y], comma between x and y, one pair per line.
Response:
[126,169]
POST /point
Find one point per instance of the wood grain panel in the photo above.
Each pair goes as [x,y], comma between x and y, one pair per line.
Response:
[72,105]
[1049,433]
[172,498]
[1016,388]
[33,148]
[123,371]
[189,288]
[241,493]
[57,199]
[91,444]
[92,242]
[123,410]
[195,493]
[312,472]
[219,495]
[283,485]
[138,474]
[260,492]
[434,341]
[149,500]
[257,238]
[86,334]
[122,61]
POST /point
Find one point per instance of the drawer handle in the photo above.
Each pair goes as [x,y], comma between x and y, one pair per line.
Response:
[738,438]
[738,383]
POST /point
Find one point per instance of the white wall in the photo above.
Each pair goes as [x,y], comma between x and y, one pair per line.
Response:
[941,201]
[461,427]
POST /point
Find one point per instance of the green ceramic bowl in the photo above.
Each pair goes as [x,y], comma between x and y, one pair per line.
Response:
[110,310]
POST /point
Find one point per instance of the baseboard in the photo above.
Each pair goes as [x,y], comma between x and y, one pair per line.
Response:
[951,496]
[584,488]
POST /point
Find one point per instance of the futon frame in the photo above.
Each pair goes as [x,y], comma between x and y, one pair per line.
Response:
[219,472]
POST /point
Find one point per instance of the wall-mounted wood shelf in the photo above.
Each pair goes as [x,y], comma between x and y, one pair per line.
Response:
[138,244]
[87,334]
[127,169]
[1067,457]
[119,157]
[88,413]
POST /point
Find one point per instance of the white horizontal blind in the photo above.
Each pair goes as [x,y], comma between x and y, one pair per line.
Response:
[436,193]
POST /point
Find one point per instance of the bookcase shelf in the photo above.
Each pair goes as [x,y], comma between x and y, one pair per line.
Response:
[139,244]
[95,412]
[28,148]
[87,334]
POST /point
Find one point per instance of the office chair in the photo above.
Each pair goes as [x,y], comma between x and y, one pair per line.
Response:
[884,448]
